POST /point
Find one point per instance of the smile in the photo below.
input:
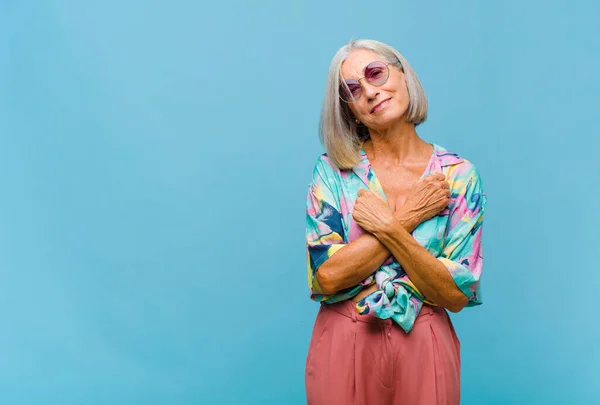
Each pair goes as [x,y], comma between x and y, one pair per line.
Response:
[380,106]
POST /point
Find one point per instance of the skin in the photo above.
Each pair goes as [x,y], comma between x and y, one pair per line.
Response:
[398,157]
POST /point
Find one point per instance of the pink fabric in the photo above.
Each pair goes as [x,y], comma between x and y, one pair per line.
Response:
[360,359]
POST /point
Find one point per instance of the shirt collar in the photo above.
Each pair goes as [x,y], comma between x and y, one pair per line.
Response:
[446,158]
[363,168]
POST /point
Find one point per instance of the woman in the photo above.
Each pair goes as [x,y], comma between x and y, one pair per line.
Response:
[393,238]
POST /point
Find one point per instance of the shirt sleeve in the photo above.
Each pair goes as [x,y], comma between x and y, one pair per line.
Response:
[462,252]
[324,230]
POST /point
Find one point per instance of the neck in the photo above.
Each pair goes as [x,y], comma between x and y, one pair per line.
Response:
[395,144]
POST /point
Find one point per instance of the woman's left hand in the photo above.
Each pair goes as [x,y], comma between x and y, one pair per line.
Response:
[372,212]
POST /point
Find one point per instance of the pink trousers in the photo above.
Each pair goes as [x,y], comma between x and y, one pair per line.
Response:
[360,359]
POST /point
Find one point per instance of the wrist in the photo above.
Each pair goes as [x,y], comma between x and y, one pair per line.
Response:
[406,220]
[391,227]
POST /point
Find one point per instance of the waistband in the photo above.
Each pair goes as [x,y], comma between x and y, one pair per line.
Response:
[347,308]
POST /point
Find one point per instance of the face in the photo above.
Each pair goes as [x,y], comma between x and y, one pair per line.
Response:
[378,107]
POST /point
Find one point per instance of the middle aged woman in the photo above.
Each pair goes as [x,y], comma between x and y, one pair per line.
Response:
[393,237]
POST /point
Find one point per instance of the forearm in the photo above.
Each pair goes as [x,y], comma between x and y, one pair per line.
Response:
[428,274]
[352,264]
[356,261]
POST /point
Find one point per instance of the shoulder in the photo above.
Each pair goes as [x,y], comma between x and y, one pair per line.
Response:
[465,182]
[325,175]
[324,167]
[323,159]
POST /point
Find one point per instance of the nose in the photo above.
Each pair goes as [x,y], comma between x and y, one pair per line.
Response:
[369,90]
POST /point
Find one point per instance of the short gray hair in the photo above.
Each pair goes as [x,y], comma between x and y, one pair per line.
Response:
[339,134]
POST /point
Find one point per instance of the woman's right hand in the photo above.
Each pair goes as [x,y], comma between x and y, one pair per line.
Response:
[427,198]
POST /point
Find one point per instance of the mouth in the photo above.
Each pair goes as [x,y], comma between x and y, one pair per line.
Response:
[380,106]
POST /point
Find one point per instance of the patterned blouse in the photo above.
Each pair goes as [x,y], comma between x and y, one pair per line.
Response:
[453,236]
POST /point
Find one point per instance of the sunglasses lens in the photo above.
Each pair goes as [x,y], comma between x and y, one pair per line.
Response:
[376,73]
[351,91]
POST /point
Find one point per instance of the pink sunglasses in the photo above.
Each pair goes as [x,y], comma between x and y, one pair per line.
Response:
[376,73]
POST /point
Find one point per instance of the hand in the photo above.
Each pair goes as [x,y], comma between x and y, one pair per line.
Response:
[427,198]
[372,213]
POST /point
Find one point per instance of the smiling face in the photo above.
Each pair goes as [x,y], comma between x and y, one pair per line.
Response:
[378,107]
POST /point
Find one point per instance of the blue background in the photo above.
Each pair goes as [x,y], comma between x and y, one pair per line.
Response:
[154,163]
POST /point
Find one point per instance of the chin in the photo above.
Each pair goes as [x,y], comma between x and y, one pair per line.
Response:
[389,117]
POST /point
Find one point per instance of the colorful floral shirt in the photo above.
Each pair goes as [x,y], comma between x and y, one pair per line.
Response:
[453,236]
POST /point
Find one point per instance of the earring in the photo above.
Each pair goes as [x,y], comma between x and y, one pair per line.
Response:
[357,121]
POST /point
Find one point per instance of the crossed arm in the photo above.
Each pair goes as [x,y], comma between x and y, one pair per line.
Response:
[361,257]
[450,280]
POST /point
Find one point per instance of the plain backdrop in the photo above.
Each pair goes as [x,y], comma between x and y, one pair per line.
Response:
[154,164]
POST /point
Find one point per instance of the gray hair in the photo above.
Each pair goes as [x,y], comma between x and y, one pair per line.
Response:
[340,136]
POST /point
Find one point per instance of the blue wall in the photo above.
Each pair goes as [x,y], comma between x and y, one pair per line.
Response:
[154,159]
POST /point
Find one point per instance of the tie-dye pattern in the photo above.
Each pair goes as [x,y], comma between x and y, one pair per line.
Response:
[453,236]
